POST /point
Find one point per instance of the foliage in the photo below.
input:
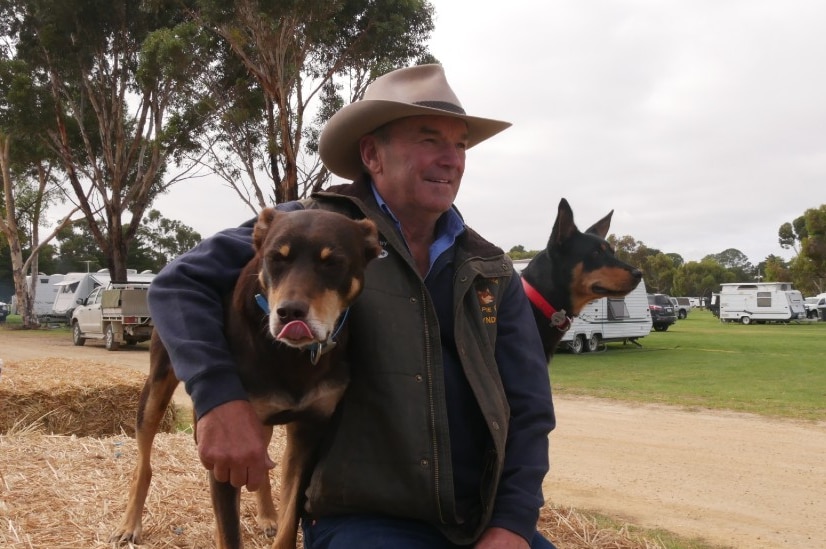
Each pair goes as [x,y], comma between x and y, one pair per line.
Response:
[122,101]
[157,242]
[161,240]
[298,62]
[27,174]
[701,278]
[807,236]
[519,252]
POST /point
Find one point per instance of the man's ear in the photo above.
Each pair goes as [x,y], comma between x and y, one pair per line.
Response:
[369,151]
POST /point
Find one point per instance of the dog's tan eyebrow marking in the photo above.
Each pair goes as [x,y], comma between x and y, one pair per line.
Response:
[284,250]
[326,252]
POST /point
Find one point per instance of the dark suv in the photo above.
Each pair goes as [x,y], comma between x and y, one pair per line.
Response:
[662,311]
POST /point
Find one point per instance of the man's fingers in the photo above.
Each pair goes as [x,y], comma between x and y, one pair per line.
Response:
[256,478]
[221,474]
[238,477]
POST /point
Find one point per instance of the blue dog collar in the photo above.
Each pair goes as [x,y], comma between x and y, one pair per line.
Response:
[316,348]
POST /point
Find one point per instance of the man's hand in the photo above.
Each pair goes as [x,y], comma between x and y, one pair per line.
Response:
[231,444]
[500,538]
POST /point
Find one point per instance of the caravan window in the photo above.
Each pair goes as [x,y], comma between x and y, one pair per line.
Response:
[69,288]
[764,299]
[617,309]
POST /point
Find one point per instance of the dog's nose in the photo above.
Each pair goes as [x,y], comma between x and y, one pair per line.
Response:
[288,311]
[637,274]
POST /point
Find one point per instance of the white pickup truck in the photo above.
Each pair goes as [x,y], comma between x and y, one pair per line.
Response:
[116,314]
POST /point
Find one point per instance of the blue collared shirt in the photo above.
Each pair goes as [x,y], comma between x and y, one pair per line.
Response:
[448,228]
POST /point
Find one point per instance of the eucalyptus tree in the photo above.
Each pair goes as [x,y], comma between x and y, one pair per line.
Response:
[306,58]
[736,262]
[125,83]
[27,170]
[701,278]
[806,235]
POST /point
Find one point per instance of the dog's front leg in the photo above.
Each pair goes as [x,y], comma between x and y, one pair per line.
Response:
[226,503]
[155,397]
[296,463]
[266,516]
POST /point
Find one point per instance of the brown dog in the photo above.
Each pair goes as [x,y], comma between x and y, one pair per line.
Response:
[308,268]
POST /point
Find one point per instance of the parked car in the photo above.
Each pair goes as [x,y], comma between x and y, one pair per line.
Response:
[4,312]
[662,311]
[812,304]
[681,306]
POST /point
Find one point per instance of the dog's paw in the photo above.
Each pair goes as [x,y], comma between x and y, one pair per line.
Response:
[128,538]
[268,525]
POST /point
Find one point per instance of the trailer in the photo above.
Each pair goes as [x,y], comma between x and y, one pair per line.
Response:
[748,302]
[117,314]
[46,289]
[608,319]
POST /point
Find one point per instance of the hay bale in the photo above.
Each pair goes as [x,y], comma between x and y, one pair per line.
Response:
[72,397]
[68,492]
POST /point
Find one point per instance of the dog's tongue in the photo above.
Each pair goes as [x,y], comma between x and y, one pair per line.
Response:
[296,331]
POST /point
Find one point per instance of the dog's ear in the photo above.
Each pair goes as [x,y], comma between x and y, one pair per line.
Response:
[600,228]
[262,227]
[372,248]
[564,226]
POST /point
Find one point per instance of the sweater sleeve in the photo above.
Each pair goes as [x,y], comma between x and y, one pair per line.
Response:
[524,373]
[186,303]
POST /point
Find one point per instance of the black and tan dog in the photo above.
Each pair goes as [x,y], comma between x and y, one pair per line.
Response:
[308,268]
[574,269]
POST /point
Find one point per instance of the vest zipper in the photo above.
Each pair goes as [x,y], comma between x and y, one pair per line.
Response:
[429,369]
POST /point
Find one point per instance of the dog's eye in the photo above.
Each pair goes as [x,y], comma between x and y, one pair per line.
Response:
[333,261]
[278,260]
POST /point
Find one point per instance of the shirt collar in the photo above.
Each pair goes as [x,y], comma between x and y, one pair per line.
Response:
[448,228]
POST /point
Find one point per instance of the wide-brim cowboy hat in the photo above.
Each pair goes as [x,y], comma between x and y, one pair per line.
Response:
[411,91]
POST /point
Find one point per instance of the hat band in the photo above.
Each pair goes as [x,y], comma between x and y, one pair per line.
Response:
[441,105]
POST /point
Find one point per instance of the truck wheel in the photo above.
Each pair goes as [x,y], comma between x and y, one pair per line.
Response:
[109,339]
[682,314]
[577,344]
[593,343]
[77,335]
[745,320]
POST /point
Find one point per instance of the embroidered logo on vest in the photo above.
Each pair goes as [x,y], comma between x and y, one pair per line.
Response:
[487,304]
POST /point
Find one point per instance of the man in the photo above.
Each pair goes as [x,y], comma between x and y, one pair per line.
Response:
[441,438]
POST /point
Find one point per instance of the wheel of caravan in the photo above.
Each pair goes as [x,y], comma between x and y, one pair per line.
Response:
[593,343]
[577,344]
[745,320]
[109,339]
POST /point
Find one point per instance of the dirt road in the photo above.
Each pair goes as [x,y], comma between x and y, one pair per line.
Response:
[733,479]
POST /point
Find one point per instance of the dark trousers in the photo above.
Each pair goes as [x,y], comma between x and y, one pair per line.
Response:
[378,532]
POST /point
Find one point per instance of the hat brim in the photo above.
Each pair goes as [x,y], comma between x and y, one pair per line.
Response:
[339,141]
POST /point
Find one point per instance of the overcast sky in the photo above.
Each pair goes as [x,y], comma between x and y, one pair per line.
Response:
[701,123]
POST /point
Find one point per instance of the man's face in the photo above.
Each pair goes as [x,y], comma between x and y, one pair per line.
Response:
[417,163]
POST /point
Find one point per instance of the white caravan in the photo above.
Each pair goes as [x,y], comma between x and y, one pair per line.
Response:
[748,302]
[610,319]
[47,290]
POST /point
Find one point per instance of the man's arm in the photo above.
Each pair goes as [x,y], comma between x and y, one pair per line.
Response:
[524,373]
[186,302]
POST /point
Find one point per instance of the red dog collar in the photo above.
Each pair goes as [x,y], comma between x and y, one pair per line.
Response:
[559,319]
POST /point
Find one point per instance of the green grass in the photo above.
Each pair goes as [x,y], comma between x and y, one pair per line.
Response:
[776,370]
